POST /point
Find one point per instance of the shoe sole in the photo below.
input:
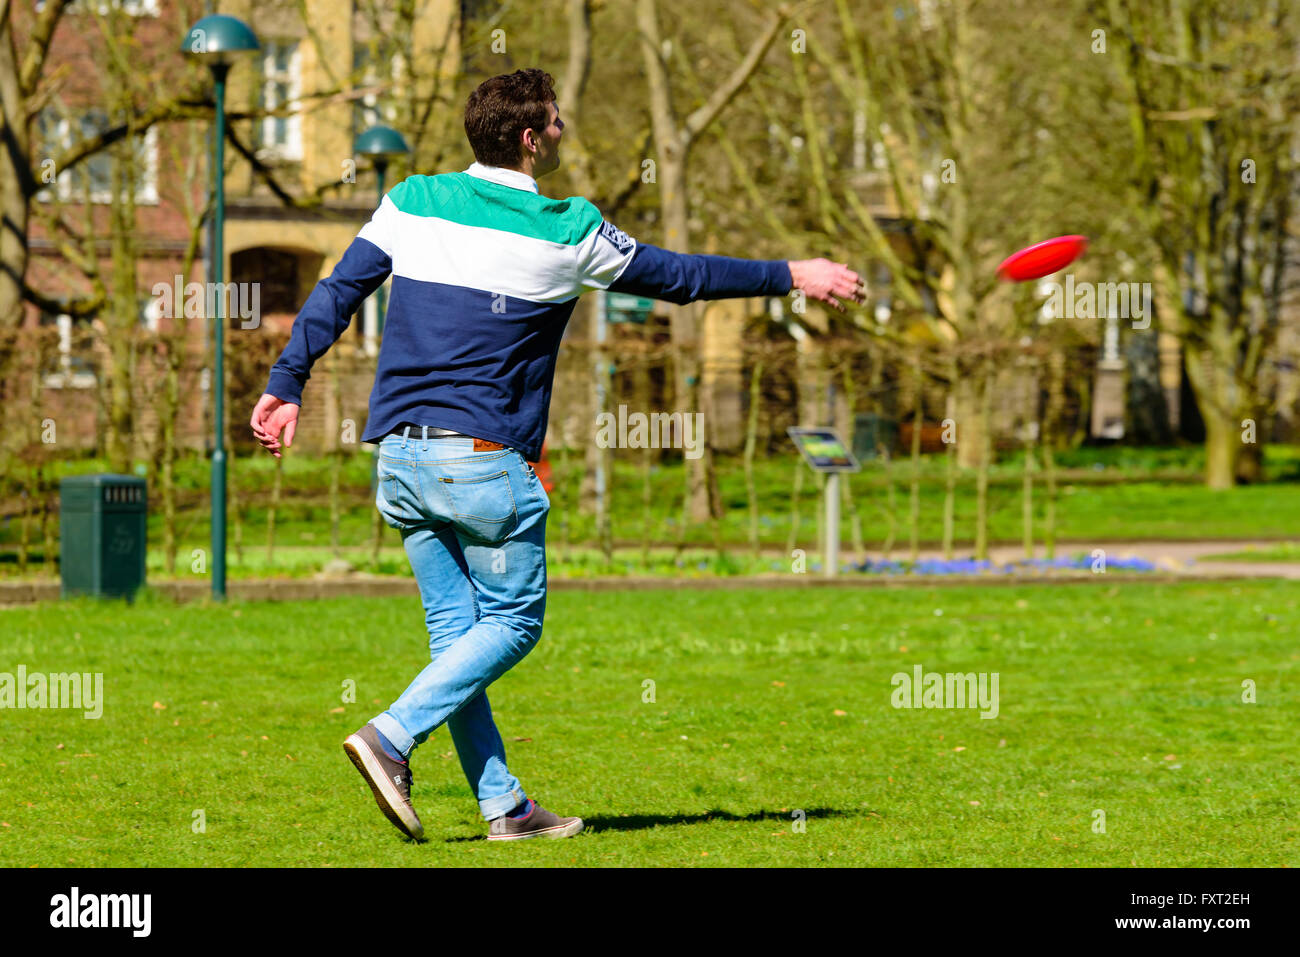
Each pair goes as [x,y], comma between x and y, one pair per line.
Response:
[562,830]
[390,802]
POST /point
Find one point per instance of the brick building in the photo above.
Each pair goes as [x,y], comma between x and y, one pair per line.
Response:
[295,198]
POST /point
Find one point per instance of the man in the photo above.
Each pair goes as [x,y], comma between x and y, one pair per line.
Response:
[486,272]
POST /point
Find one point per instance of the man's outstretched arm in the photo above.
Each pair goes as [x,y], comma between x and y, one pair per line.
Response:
[611,259]
[683,278]
[323,318]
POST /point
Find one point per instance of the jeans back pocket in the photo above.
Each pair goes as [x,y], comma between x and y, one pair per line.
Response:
[482,506]
[398,496]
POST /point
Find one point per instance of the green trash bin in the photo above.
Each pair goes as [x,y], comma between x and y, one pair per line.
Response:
[102,534]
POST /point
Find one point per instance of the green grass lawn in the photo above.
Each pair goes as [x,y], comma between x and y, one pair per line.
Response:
[1280,552]
[1125,699]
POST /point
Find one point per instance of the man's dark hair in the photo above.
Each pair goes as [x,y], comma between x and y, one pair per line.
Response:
[501,108]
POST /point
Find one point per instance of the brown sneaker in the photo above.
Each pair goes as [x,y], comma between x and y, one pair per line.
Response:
[389,779]
[539,822]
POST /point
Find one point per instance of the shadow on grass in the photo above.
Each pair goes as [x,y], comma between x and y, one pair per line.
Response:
[643,822]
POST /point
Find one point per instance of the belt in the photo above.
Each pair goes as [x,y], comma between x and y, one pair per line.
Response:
[433,429]
[480,445]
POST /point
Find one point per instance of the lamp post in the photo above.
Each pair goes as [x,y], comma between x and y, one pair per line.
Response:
[219,40]
[382,144]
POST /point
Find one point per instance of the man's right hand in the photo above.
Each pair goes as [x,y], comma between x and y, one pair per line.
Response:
[270,417]
[823,280]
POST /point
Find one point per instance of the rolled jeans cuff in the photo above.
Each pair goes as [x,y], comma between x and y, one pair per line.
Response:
[389,727]
[503,804]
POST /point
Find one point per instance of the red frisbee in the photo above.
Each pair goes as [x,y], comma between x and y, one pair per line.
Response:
[1042,259]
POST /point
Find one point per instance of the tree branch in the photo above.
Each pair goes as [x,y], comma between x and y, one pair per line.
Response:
[704,116]
[38,44]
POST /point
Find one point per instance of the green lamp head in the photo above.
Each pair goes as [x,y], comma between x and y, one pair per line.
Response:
[220,39]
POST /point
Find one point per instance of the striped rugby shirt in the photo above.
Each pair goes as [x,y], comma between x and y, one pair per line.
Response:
[486,272]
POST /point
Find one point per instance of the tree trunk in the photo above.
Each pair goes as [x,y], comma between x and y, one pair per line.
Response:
[604,520]
[847,498]
[914,504]
[673,139]
[949,500]
[271,510]
[850,507]
[1051,422]
[120,400]
[122,321]
[15,179]
[1222,448]
[712,489]
[563,477]
[1215,395]
[967,403]
[167,415]
[796,490]
[48,522]
[234,503]
[1027,500]
[595,405]
[376,527]
[891,506]
[1250,458]
[335,451]
[751,445]
[985,461]
[643,389]
[25,538]
[1049,507]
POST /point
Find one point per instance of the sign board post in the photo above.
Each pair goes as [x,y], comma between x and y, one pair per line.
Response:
[622,307]
[826,452]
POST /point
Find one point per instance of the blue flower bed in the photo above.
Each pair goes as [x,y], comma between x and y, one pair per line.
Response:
[969,566]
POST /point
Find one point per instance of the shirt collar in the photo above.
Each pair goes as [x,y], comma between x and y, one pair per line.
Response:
[506,177]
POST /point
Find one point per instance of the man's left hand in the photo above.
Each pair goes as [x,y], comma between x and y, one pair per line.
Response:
[824,280]
[270,417]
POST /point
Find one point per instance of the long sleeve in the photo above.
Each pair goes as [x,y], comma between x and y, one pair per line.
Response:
[330,307]
[610,259]
[683,278]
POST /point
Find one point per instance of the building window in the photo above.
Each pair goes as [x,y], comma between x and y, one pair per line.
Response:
[71,367]
[280,137]
[372,67]
[151,311]
[146,160]
[134,8]
[91,179]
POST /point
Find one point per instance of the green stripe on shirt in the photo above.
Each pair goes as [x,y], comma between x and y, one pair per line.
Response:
[471,201]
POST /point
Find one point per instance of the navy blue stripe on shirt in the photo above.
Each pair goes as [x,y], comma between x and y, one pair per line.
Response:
[478,362]
[683,278]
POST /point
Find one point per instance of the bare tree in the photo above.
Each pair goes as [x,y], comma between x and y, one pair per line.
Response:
[1212,90]
[674,137]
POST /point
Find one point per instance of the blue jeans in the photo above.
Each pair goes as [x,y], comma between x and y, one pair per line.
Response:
[474,527]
